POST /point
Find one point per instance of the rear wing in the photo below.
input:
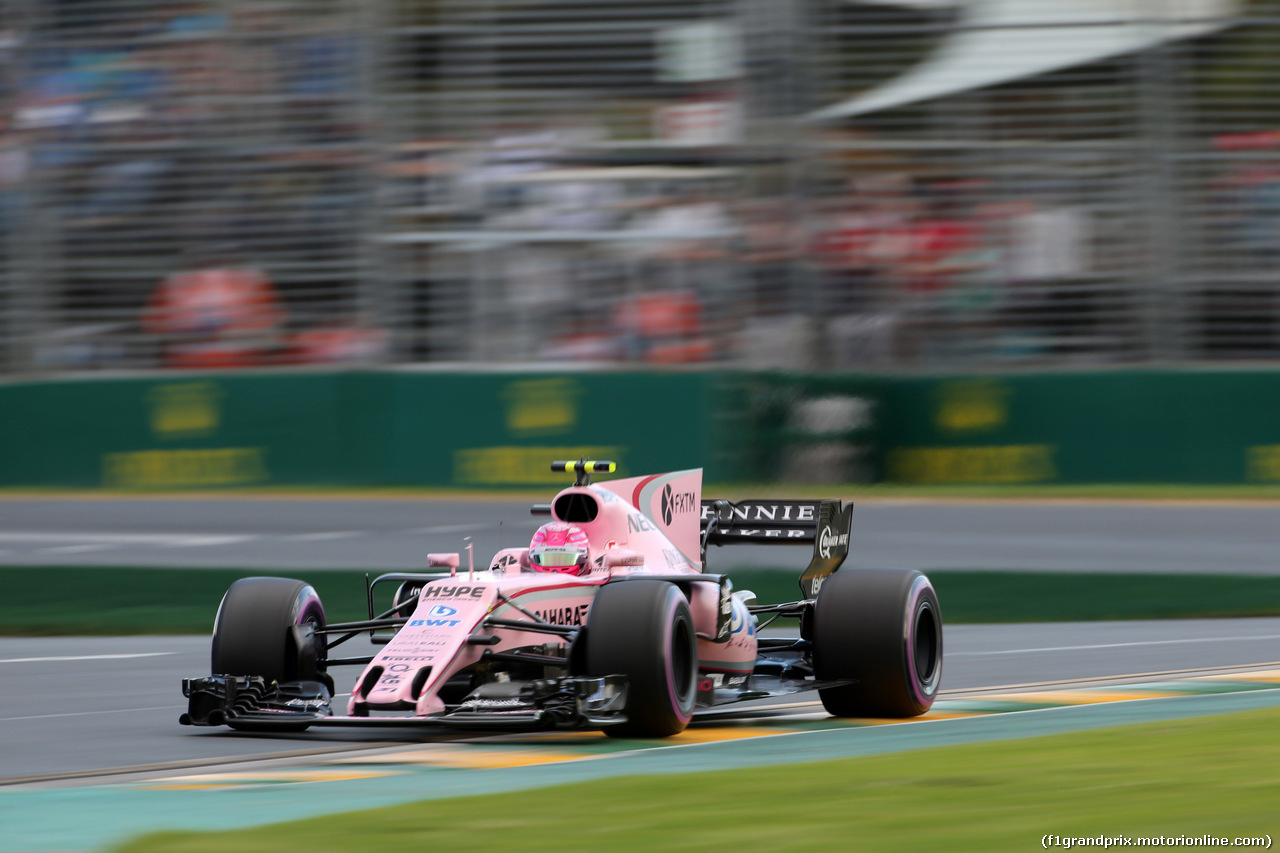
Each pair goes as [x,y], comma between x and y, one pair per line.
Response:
[826,524]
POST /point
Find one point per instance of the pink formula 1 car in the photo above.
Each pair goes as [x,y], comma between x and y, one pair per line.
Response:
[605,620]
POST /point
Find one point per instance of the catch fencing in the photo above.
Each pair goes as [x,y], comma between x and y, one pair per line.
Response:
[804,184]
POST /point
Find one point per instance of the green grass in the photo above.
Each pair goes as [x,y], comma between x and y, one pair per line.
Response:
[980,596]
[1217,776]
[1079,597]
[78,600]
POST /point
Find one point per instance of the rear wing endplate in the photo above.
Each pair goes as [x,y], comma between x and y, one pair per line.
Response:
[826,524]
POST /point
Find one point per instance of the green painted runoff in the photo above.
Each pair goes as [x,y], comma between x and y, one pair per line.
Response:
[1192,777]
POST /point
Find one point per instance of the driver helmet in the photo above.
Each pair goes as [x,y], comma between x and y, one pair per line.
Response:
[559,547]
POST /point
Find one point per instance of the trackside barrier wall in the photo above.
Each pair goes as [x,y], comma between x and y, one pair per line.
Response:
[352,428]
[1168,426]
[500,429]
[1131,426]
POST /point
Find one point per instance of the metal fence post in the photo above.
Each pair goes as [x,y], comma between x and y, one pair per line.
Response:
[1162,137]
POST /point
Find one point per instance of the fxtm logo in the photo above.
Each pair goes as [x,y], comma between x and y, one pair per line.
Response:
[679,502]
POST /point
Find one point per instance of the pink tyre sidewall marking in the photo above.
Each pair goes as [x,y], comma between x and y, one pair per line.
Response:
[668,637]
[914,612]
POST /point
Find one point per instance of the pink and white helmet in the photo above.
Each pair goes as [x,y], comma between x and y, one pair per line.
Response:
[560,547]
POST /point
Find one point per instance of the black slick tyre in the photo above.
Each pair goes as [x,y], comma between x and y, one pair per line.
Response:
[883,629]
[643,629]
[254,633]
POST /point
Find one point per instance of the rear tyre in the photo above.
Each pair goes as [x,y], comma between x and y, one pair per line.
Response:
[883,628]
[644,630]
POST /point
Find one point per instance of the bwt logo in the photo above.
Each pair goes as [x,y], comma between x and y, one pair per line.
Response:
[433,623]
[676,502]
[442,610]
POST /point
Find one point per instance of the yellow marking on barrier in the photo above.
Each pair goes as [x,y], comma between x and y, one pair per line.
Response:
[1023,463]
[166,469]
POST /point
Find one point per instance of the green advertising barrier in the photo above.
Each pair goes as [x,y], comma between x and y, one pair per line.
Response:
[1184,426]
[178,432]
[805,428]
[1123,426]
[378,428]
[501,429]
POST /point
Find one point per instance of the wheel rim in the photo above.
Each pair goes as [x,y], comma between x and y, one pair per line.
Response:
[322,646]
[923,642]
[311,612]
[682,668]
[925,647]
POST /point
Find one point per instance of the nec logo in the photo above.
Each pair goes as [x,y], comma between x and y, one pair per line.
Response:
[676,502]
[636,523]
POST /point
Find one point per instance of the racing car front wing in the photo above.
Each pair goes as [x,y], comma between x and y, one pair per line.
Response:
[252,702]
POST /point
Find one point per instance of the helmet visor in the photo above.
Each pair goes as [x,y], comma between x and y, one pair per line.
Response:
[557,558]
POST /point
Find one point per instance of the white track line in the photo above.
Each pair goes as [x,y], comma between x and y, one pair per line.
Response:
[86,657]
[324,537]
[109,711]
[453,528]
[77,549]
[92,713]
[180,540]
[1113,646]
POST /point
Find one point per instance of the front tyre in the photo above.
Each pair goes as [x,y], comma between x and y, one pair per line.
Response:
[270,627]
[883,629]
[643,629]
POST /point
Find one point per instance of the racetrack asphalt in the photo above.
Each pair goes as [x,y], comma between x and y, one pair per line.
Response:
[65,819]
[73,706]
[79,705]
[275,533]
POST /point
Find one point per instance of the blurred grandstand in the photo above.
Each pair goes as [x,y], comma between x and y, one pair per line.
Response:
[902,184]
